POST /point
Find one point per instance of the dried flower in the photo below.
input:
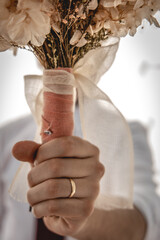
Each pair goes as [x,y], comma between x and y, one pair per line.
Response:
[76,37]
[26,23]
[4,44]
[60,32]
[120,17]
[93,4]
[7,7]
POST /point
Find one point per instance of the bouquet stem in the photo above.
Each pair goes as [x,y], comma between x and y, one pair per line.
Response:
[58,106]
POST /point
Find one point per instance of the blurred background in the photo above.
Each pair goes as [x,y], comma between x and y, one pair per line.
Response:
[132,83]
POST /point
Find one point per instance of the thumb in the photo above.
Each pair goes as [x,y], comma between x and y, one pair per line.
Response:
[25,151]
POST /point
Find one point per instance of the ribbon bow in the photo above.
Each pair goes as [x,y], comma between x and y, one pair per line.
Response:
[101,123]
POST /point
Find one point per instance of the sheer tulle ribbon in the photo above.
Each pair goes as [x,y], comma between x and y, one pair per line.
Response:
[101,123]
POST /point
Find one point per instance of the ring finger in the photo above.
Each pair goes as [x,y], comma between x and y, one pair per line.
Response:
[62,188]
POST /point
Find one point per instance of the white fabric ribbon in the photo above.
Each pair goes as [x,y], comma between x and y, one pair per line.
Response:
[101,123]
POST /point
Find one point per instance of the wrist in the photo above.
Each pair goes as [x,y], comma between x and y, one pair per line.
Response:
[115,224]
[90,226]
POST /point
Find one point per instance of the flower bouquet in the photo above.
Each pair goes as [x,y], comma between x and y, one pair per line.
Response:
[76,42]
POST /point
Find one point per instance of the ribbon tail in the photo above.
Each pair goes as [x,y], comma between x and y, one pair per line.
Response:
[19,186]
[33,92]
[104,126]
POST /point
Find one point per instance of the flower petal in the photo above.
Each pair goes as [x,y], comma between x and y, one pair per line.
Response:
[76,37]
[93,4]
[4,44]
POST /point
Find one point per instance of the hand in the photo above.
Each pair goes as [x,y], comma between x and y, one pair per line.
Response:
[50,187]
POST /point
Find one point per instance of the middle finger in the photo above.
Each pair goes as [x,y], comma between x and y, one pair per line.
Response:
[62,168]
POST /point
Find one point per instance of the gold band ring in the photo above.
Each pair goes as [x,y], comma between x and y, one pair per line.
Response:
[73,188]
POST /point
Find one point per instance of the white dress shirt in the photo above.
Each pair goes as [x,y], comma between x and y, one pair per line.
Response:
[17,223]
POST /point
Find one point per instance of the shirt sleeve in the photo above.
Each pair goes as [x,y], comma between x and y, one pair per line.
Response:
[146,198]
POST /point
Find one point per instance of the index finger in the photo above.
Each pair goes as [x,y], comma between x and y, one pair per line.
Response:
[66,147]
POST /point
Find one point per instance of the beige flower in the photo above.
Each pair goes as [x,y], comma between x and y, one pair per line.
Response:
[55,27]
[93,4]
[4,44]
[24,20]
[138,4]
[81,42]
[7,7]
[23,4]
[49,8]
[27,23]
[120,17]
[4,12]
[111,3]
[78,39]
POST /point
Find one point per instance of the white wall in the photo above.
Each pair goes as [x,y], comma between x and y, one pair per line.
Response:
[133,82]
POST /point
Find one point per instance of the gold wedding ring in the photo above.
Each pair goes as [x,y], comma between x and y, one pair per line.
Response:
[73,188]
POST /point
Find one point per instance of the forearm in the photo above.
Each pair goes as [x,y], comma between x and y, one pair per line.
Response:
[113,225]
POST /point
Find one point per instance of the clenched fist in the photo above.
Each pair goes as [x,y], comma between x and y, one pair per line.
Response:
[57,162]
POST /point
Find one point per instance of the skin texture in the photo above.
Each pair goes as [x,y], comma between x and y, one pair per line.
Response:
[54,163]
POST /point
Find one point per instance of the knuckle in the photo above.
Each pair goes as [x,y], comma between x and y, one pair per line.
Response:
[68,145]
[96,151]
[51,207]
[100,170]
